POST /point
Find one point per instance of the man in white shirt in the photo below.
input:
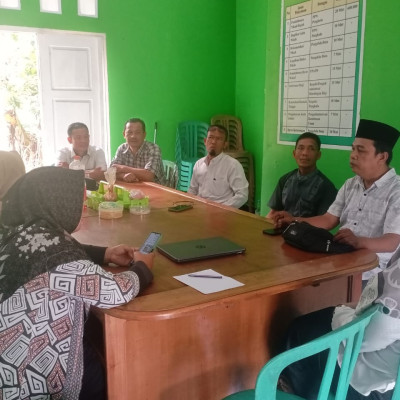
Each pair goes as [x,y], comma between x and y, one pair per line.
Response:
[218,176]
[91,157]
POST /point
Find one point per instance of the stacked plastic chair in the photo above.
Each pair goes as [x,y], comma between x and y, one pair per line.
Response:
[246,159]
[235,149]
[189,148]
[234,127]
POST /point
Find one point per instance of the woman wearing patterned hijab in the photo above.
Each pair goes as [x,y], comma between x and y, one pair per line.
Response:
[48,281]
[11,168]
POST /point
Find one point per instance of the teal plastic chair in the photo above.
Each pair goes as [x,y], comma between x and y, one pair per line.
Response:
[171,174]
[352,334]
[189,148]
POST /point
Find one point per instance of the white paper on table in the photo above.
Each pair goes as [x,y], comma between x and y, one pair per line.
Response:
[208,285]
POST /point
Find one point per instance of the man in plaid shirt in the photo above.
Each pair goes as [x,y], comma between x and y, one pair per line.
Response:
[138,160]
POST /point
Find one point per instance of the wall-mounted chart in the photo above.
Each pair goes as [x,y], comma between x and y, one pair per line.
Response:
[321,68]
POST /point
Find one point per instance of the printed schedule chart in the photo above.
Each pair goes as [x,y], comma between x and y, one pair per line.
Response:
[321,69]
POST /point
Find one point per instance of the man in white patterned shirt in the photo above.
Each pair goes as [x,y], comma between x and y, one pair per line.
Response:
[367,206]
[138,160]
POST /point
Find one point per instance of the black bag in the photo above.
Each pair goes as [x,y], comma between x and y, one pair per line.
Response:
[310,238]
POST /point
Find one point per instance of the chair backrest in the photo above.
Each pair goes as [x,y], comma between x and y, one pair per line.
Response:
[351,334]
[171,174]
[246,159]
[234,127]
[189,147]
[190,137]
[185,173]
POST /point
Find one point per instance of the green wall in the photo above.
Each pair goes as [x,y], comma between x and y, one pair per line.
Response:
[251,17]
[174,60]
[168,61]
[379,94]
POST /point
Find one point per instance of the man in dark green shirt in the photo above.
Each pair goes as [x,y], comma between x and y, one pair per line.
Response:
[305,191]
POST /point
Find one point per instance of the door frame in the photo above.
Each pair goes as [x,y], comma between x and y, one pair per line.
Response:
[103,79]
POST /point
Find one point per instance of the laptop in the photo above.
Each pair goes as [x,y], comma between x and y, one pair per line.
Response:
[199,249]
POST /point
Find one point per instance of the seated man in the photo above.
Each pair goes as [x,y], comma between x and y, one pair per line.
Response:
[367,206]
[138,160]
[218,176]
[377,364]
[92,157]
[305,191]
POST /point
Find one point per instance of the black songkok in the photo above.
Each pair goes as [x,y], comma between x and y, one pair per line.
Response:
[378,131]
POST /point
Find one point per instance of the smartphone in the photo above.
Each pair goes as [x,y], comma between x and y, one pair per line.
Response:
[180,207]
[273,231]
[150,243]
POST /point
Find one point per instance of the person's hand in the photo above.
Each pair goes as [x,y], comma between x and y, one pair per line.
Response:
[348,237]
[148,259]
[63,165]
[120,255]
[96,174]
[281,219]
[130,177]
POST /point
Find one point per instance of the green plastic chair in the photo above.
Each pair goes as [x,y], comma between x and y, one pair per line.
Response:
[352,333]
[189,148]
[171,173]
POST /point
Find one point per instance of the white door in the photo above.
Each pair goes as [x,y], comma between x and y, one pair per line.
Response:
[72,70]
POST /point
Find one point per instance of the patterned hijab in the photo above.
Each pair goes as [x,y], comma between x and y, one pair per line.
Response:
[39,213]
[11,168]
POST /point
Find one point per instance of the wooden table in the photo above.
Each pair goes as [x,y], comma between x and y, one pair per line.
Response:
[173,342]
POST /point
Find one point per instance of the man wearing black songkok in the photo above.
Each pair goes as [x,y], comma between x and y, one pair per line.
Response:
[367,206]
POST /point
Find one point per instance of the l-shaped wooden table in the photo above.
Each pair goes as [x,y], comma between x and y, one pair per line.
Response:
[173,342]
